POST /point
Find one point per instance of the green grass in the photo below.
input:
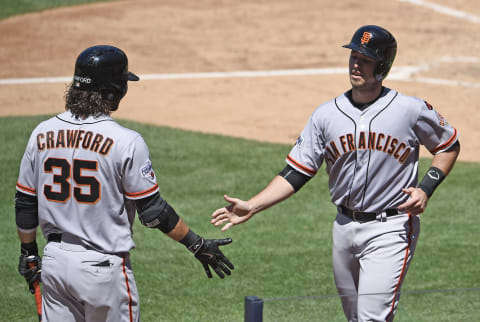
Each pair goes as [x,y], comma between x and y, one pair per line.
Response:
[283,252]
[16,7]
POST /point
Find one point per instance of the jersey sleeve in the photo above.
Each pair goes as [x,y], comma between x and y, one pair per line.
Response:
[26,178]
[433,130]
[139,180]
[307,154]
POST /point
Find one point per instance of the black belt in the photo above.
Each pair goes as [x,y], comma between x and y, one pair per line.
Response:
[54,237]
[366,216]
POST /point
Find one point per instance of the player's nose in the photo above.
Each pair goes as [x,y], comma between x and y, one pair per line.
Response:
[354,62]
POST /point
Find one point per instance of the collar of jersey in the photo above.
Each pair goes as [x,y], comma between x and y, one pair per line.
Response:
[387,93]
[69,117]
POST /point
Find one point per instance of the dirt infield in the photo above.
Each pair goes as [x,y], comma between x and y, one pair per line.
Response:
[180,36]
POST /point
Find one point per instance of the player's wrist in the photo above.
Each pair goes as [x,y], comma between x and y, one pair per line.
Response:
[29,249]
[190,239]
[431,180]
[250,208]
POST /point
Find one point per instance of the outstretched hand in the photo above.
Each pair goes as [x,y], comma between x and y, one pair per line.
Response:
[417,202]
[208,253]
[236,213]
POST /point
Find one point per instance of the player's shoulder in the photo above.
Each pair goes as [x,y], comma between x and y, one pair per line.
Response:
[47,124]
[408,101]
[123,130]
[323,109]
[125,136]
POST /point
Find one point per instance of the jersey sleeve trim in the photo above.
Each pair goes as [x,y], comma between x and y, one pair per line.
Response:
[142,194]
[300,166]
[27,190]
[445,145]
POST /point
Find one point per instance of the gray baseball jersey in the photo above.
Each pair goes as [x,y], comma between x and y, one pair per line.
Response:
[85,172]
[370,155]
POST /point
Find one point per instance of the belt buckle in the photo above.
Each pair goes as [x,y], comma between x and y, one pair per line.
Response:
[354,217]
[382,216]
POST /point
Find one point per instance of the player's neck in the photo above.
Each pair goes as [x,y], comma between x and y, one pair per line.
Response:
[364,105]
[362,96]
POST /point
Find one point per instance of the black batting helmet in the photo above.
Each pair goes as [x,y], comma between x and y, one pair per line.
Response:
[103,69]
[377,43]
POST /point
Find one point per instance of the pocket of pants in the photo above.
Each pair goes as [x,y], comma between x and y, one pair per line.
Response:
[98,271]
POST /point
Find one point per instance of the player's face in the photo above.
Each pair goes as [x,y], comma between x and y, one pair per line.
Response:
[361,70]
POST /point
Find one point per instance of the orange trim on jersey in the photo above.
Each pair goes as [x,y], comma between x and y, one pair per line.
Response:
[304,168]
[404,267]
[444,145]
[128,291]
[26,189]
[141,193]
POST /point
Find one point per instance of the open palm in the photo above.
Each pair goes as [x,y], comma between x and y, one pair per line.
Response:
[237,212]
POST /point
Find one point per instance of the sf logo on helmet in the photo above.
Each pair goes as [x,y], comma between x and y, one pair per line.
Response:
[366,37]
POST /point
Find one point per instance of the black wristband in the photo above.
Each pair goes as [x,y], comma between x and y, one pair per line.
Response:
[431,180]
[29,249]
[190,238]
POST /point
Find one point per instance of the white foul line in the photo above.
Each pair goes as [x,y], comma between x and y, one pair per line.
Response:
[445,10]
[267,73]
[405,73]
[37,80]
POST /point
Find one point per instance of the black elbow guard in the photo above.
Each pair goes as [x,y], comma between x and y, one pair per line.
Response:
[170,219]
[26,211]
[155,212]
[295,178]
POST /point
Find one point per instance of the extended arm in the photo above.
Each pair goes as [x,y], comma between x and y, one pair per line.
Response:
[238,211]
[442,163]
[155,212]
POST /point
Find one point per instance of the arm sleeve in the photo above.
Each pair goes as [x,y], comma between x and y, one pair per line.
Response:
[434,131]
[138,178]
[307,154]
[294,177]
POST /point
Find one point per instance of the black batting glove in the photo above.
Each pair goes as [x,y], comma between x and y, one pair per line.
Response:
[208,253]
[30,264]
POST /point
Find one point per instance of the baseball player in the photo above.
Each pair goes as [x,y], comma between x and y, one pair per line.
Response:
[369,139]
[82,178]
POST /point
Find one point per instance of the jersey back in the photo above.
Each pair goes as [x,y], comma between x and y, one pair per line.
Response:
[85,174]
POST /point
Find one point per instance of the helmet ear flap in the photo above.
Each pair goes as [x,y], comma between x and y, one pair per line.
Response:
[114,92]
[109,96]
[380,71]
[112,97]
